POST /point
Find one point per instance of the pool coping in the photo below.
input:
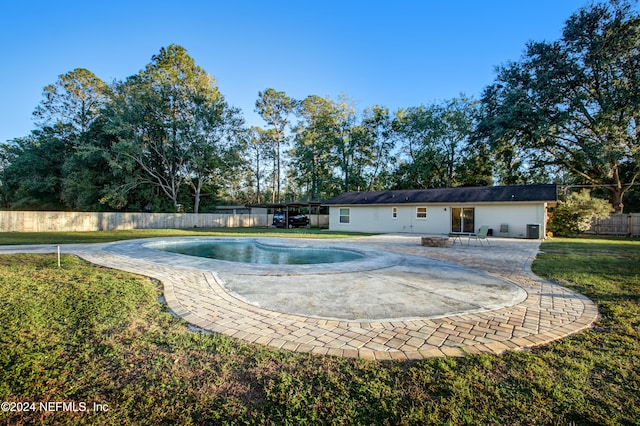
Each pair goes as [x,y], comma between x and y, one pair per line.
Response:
[144,249]
[382,286]
[548,313]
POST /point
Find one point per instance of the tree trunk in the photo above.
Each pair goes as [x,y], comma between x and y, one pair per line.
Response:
[278,160]
[196,197]
[617,193]
[258,182]
[273,181]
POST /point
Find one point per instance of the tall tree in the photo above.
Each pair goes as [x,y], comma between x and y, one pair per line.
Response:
[458,117]
[311,154]
[75,99]
[416,129]
[69,107]
[575,103]
[436,146]
[350,144]
[213,139]
[378,126]
[87,173]
[33,178]
[513,163]
[5,161]
[258,152]
[172,124]
[275,109]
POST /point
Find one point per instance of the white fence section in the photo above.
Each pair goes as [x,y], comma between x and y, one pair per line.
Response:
[617,224]
[36,221]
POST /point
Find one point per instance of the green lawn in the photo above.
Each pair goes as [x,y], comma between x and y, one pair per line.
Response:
[87,334]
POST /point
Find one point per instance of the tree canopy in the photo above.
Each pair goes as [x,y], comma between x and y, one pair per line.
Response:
[173,124]
[573,104]
[165,139]
[75,99]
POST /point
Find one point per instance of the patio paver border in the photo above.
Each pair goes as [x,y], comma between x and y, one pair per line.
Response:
[550,311]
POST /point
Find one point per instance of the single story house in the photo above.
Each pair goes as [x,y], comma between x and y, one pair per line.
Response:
[518,211]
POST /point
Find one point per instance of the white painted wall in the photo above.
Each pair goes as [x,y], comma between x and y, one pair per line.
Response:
[517,216]
[438,221]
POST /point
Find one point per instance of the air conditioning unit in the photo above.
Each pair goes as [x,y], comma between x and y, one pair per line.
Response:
[533,231]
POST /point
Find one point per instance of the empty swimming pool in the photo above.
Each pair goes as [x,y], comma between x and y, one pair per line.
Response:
[377,285]
[250,251]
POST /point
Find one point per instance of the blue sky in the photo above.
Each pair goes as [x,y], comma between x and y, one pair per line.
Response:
[393,53]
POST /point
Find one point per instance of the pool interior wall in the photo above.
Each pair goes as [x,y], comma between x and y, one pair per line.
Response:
[252,251]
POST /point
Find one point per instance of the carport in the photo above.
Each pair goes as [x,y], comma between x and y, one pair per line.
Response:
[317,213]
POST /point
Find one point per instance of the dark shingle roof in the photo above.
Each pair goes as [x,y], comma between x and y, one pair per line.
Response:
[477,194]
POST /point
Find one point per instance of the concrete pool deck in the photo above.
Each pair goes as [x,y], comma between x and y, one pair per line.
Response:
[211,296]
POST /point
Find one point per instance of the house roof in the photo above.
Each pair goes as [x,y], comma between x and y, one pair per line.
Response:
[477,194]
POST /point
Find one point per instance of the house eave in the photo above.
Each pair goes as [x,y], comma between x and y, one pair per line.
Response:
[550,203]
[446,196]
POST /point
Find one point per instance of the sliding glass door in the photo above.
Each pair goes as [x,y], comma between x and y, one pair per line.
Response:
[462,219]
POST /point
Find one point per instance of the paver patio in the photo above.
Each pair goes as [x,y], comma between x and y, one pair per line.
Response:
[548,312]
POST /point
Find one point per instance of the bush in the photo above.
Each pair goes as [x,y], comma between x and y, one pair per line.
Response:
[575,214]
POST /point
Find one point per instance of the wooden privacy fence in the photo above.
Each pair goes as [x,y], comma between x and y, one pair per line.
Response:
[35,221]
[617,224]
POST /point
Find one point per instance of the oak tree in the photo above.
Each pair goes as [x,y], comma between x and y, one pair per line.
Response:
[574,103]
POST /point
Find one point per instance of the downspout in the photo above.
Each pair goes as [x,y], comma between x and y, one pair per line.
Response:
[544,221]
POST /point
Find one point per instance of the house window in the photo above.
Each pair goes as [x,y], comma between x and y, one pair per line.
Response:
[421,213]
[345,215]
[394,213]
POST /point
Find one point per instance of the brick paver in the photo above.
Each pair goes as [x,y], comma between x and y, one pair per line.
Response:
[549,312]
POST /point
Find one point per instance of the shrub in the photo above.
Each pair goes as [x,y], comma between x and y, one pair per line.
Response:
[575,214]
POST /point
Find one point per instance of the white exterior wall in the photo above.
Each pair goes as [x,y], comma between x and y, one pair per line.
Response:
[380,219]
[517,216]
[438,221]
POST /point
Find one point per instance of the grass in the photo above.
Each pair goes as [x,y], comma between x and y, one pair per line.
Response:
[12,238]
[88,334]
